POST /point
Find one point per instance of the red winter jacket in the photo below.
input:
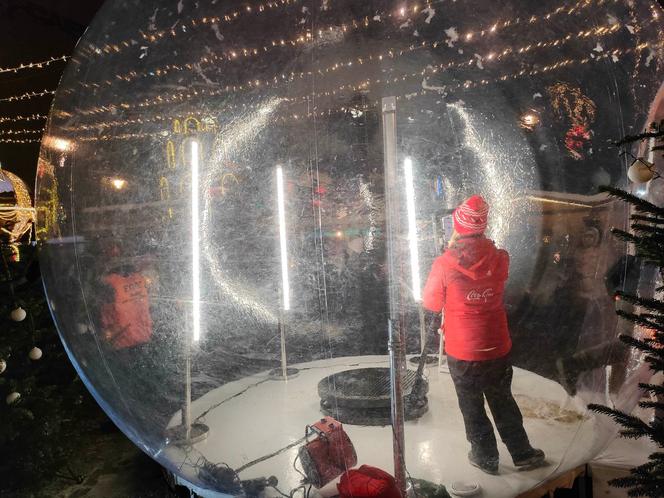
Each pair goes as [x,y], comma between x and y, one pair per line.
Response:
[126,319]
[467,284]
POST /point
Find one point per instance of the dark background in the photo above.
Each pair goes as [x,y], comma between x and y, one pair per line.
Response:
[33,31]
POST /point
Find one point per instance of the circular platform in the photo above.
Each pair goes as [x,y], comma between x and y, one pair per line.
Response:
[361,396]
[254,417]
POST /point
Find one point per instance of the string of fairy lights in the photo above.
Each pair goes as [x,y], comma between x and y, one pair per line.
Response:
[18,136]
[152,37]
[20,119]
[28,96]
[467,85]
[34,65]
[310,37]
[389,53]
[24,131]
[20,140]
[211,59]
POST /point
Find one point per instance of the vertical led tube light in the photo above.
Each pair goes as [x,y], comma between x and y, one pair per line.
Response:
[195,244]
[412,230]
[285,287]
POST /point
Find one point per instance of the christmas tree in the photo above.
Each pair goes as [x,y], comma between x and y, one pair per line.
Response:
[647,237]
[44,405]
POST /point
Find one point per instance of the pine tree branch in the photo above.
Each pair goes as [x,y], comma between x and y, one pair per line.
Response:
[651,404]
[655,389]
[631,422]
[628,139]
[656,365]
[644,302]
[638,203]
[640,228]
[640,320]
[642,345]
[647,219]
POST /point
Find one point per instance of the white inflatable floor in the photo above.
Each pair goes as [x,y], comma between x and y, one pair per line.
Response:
[254,417]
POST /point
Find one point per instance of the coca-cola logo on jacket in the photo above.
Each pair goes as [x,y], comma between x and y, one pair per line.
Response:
[475,295]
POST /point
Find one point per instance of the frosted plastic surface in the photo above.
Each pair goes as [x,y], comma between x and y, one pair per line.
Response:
[159,208]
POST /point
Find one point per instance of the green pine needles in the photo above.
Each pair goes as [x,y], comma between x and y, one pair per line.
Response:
[647,237]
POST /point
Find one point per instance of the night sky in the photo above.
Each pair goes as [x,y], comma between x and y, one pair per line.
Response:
[32,31]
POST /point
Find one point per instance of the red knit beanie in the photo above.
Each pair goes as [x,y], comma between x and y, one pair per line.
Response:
[471,216]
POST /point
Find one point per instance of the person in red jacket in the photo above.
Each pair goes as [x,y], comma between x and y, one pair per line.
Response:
[466,283]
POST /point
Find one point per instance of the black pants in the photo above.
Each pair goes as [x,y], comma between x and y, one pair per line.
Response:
[490,379]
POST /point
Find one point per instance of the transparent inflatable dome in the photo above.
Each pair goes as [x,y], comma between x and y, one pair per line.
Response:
[240,205]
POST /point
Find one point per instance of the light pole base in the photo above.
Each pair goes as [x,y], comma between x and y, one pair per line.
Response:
[278,374]
[429,360]
[178,435]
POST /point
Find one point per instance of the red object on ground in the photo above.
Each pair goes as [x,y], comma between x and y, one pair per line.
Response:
[368,482]
[467,282]
[329,455]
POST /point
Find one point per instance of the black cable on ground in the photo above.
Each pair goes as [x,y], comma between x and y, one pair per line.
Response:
[267,457]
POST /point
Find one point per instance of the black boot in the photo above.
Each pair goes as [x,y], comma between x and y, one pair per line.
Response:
[530,459]
[488,465]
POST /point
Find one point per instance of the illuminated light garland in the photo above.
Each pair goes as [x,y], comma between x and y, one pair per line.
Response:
[388,53]
[125,136]
[111,124]
[467,85]
[277,81]
[21,215]
[34,65]
[230,55]
[472,84]
[20,140]
[16,119]
[637,27]
[473,34]
[28,95]
[20,132]
[118,47]
[308,37]
[364,85]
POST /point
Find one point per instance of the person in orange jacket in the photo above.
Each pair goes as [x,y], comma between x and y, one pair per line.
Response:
[467,283]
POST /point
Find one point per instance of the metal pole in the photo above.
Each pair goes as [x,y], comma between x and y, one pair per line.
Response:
[423,332]
[186,412]
[395,328]
[282,331]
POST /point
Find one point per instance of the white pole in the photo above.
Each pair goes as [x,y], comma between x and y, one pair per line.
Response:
[412,231]
[282,240]
[195,244]
[285,286]
[412,245]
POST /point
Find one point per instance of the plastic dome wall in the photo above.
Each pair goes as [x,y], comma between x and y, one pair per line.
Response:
[192,145]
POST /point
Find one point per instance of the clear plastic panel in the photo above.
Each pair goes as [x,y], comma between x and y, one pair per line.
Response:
[239,202]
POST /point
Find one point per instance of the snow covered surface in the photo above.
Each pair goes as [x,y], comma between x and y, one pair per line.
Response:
[270,415]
